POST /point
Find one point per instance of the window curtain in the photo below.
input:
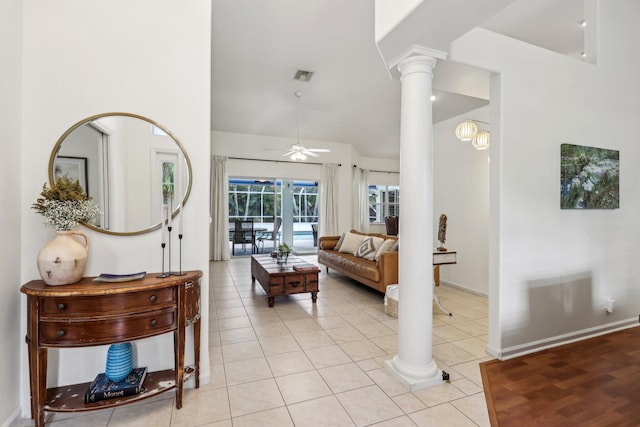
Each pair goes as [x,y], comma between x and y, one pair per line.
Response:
[219,210]
[328,194]
[360,193]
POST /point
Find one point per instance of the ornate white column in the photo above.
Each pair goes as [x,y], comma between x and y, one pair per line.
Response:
[414,363]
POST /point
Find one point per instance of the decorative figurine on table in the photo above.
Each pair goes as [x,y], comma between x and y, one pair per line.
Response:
[442,232]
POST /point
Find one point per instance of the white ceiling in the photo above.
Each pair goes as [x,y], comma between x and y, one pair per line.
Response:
[257,46]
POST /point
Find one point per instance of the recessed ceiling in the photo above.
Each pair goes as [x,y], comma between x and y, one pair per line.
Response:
[257,47]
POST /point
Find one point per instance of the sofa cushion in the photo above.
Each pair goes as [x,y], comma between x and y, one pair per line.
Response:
[384,247]
[369,247]
[360,266]
[351,243]
[337,247]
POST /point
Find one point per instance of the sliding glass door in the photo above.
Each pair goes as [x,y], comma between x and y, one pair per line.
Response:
[291,206]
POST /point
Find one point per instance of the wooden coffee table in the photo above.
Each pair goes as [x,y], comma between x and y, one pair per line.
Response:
[281,279]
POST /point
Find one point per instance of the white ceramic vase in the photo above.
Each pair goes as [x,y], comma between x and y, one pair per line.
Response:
[62,261]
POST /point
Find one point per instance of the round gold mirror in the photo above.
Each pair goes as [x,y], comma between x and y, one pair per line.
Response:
[132,167]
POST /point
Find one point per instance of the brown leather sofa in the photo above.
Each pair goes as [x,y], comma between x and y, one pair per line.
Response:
[376,274]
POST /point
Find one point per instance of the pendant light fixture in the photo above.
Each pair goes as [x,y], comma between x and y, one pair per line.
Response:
[467,130]
[482,140]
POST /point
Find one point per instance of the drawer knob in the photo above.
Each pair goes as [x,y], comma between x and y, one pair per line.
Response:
[154,322]
[60,333]
[61,306]
[153,298]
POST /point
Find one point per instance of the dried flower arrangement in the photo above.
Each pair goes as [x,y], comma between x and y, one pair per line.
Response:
[65,204]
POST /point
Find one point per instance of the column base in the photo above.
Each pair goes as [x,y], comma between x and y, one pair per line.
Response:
[413,378]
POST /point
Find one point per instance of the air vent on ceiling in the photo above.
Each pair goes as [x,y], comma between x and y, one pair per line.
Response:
[303,76]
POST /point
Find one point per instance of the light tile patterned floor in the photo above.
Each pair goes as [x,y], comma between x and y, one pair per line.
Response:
[300,364]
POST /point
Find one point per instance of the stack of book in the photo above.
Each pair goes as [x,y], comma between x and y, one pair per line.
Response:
[305,267]
[103,388]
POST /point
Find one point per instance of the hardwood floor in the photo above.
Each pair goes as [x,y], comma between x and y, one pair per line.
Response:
[595,382]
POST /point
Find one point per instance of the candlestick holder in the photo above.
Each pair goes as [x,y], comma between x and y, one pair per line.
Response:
[163,274]
[179,272]
[169,250]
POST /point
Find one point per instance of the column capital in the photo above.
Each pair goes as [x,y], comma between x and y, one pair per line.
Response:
[415,54]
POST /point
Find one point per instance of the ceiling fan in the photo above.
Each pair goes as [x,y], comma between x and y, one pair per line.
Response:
[297,151]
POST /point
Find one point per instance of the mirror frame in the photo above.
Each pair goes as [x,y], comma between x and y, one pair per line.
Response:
[56,148]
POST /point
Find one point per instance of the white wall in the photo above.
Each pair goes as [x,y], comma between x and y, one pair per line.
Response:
[149,57]
[10,192]
[551,270]
[461,191]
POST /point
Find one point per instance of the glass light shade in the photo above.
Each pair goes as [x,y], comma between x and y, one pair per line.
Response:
[482,140]
[466,130]
[298,156]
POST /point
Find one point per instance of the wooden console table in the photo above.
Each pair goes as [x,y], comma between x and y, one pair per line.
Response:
[91,313]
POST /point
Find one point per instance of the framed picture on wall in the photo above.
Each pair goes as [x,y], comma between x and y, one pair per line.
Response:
[589,177]
[75,168]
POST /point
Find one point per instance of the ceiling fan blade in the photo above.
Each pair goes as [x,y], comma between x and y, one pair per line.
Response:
[269,149]
[288,153]
[309,153]
[319,150]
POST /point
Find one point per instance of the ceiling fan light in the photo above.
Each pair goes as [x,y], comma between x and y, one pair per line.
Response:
[466,130]
[298,156]
[482,140]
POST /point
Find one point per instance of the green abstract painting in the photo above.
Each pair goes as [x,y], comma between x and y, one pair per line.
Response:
[589,177]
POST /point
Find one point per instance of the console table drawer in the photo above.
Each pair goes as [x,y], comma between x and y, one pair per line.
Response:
[110,304]
[107,330]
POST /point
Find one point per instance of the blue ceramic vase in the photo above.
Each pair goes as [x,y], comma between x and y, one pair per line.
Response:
[119,361]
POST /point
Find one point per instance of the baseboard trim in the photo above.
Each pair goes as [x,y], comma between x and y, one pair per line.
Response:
[12,418]
[463,288]
[534,346]
[493,351]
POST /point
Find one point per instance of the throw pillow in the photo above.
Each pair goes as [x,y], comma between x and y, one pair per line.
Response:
[396,246]
[369,247]
[384,247]
[339,244]
[351,242]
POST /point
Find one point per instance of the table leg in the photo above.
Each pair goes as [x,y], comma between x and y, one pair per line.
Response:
[436,299]
[38,382]
[314,297]
[436,282]
[196,350]
[272,301]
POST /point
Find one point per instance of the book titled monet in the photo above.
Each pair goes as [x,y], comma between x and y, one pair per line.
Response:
[103,388]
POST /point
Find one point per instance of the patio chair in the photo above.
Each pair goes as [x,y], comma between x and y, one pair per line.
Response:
[314,232]
[391,222]
[270,235]
[243,234]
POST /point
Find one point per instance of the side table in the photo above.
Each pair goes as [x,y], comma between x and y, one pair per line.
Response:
[88,313]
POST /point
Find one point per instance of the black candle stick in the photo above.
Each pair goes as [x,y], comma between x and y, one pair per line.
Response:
[169,272]
[180,272]
[163,274]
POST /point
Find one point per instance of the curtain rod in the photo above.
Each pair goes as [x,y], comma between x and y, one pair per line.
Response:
[278,161]
[373,170]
